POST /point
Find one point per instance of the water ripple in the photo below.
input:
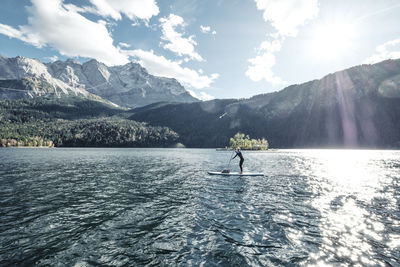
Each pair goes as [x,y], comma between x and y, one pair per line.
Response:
[136,207]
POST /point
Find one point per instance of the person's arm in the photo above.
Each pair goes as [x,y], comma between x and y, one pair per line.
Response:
[235,156]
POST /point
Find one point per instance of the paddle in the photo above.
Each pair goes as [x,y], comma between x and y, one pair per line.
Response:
[230,158]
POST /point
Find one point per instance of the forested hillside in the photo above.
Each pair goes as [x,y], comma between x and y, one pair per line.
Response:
[75,121]
[357,107]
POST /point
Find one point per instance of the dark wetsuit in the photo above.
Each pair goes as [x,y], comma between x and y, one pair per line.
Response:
[239,153]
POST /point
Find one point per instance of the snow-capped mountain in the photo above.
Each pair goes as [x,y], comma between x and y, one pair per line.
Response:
[128,85]
[19,68]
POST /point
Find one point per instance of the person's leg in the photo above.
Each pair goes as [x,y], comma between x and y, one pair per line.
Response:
[241,166]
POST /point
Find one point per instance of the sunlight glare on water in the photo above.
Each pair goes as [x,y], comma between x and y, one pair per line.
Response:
[350,177]
[146,207]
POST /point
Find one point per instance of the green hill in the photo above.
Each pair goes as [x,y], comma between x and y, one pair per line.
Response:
[357,107]
[75,121]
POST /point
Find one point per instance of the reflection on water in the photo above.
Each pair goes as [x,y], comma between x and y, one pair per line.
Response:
[87,207]
[353,182]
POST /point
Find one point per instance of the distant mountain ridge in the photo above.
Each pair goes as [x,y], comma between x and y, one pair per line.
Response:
[23,69]
[128,85]
[357,107]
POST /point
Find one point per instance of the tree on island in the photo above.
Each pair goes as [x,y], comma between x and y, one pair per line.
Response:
[244,142]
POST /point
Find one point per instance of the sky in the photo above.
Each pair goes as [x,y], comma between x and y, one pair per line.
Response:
[215,48]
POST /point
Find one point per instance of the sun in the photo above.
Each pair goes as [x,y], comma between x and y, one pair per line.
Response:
[332,40]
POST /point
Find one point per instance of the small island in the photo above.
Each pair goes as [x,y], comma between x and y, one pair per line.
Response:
[245,143]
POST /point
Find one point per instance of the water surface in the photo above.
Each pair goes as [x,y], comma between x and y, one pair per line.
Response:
[134,207]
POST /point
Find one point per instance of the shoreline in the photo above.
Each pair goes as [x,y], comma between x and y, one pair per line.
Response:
[204,148]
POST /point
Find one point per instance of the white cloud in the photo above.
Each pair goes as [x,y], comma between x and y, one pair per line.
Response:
[52,59]
[124,45]
[14,33]
[133,9]
[270,47]
[388,50]
[63,28]
[262,64]
[182,46]
[135,23]
[160,66]
[261,68]
[202,95]
[207,29]
[286,16]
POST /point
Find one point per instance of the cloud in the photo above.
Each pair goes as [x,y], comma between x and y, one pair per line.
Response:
[207,29]
[52,59]
[64,28]
[160,66]
[61,26]
[133,9]
[270,47]
[286,16]
[175,42]
[124,45]
[202,95]
[388,50]
[14,33]
[261,65]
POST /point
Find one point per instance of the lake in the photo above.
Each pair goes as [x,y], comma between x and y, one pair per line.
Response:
[135,207]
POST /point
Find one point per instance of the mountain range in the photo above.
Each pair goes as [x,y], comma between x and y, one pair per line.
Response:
[356,107]
[127,86]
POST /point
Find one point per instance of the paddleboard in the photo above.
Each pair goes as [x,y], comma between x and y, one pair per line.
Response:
[237,173]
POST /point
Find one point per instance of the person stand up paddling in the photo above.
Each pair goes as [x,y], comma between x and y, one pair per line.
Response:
[239,153]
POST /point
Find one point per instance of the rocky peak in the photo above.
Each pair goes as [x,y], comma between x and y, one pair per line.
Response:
[71,61]
[21,67]
[96,71]
[128,85]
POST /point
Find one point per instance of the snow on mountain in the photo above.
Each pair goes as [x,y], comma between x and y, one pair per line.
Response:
[20,67]
[128,85]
